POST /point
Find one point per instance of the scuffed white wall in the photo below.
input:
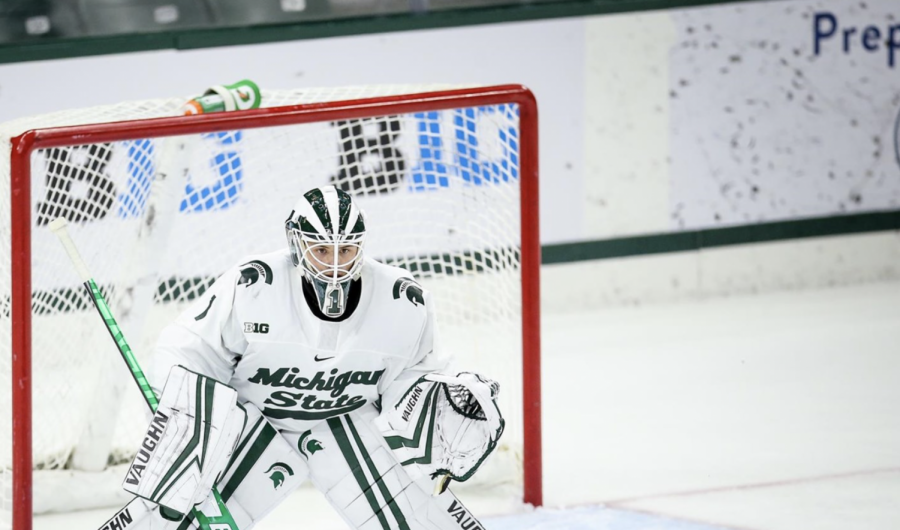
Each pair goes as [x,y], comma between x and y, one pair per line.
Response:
[765,128]
[739,114]
[626,179]
[731,115]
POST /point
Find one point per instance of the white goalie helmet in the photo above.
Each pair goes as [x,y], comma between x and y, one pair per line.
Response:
[326,233]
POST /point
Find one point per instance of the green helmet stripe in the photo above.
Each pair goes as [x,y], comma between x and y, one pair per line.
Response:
[317,200]
[305,226]
[330,211]
[344,207]
[360,225]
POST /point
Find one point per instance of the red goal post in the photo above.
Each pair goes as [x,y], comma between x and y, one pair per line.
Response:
[27,143]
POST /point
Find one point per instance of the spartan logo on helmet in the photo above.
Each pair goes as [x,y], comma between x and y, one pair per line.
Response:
[252,271]
[412,289]
[310,445]
[326,232]
[277,473]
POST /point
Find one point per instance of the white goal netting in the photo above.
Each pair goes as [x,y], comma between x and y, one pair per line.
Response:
[440,189]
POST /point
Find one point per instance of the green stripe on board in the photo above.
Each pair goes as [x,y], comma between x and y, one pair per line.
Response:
[457,263]
[720,237]
[181,289]
[58,48]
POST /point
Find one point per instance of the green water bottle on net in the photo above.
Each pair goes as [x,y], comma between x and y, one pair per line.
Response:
[242,95]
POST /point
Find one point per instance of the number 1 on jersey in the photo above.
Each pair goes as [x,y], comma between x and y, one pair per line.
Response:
[334,301]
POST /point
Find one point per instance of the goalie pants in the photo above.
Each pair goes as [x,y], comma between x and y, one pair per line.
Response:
[347,460]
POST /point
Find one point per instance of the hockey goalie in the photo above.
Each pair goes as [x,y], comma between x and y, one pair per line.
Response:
[314,362]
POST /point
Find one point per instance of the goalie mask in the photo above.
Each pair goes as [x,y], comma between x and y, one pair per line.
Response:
[325,233]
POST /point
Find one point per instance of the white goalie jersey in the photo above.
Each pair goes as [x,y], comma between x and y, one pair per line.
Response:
[254,331]
[308,363]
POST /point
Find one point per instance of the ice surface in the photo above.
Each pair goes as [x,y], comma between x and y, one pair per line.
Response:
[766,412]
[589,518]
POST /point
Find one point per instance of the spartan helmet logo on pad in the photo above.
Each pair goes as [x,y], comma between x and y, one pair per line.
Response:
[326,232]
[277,473]
[308,446]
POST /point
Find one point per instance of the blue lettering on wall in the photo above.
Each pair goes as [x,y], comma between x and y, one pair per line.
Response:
[473,166]
[141,169]
[465,153]
[828,33]
[476,157]
[431,171]
[221,193]
[226,163]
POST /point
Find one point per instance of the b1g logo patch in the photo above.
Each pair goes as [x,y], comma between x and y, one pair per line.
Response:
[412,290]
[256,327]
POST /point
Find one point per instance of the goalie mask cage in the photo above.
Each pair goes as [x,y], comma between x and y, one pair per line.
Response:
[160,204]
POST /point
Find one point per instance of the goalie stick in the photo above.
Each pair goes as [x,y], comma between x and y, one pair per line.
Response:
[222,521]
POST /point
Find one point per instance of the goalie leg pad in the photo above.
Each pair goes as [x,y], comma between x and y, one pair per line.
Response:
[362,480]
[137,514]
[189,441]
[141,514]
[264,470]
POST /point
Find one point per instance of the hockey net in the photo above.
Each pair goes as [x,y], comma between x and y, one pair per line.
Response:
[443,176]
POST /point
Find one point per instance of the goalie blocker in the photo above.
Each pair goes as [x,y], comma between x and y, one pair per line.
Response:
[442,428]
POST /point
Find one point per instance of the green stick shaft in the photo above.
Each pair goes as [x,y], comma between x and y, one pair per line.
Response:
[122,344]
[222,521]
